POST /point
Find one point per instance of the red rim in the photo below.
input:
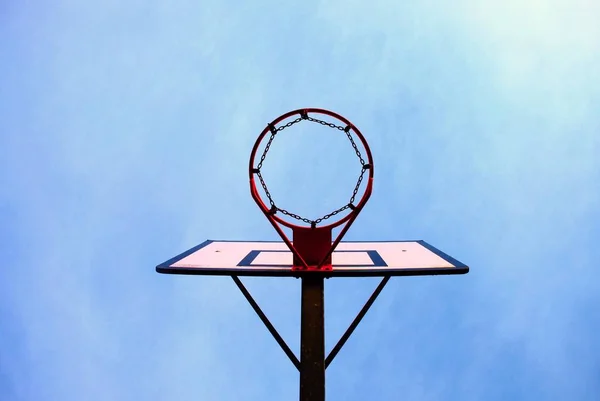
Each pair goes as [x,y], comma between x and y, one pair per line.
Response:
[254,190]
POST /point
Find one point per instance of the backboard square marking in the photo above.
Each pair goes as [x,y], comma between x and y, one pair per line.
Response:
[359,258]
[272,258]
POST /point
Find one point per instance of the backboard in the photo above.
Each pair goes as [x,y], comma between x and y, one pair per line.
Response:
[349,259]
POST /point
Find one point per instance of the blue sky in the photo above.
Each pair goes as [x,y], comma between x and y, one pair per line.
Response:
[125,135]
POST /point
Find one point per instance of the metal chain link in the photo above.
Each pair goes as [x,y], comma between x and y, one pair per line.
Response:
[309,221]
[264,185]
[331,125]
[295,216]
[362,161]
[360,178]
[262,158]
[281,128]
[274,131]
[346,130]
[317,221]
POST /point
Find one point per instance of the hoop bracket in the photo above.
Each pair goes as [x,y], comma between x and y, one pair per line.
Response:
[313,244]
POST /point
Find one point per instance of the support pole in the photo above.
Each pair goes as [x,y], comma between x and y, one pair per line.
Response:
[356,321]
[312,339]
[266,322]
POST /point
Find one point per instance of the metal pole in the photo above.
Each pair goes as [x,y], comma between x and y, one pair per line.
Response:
[312,340]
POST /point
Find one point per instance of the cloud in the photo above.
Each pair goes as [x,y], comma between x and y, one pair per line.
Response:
[127,135]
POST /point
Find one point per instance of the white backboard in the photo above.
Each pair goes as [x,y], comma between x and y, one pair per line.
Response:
[245,258]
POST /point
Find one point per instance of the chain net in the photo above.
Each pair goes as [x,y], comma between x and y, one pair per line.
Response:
[274,131]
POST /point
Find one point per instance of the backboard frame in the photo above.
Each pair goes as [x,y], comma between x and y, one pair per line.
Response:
[377,269]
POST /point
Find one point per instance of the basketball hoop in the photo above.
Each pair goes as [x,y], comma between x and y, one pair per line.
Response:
[312,244]
[314,256]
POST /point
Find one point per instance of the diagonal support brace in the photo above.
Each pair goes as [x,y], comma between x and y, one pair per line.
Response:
[267,323]
[356,321]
